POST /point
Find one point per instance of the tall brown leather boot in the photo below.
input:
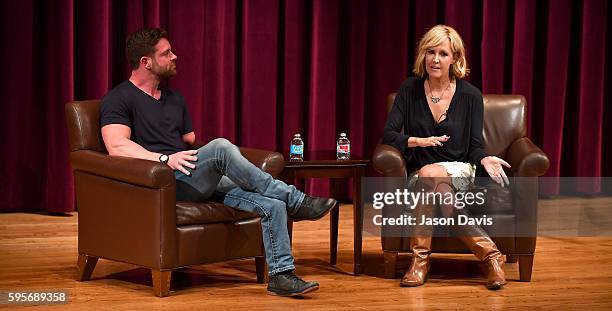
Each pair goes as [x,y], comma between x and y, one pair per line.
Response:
[420,245]
[479,242]
[419,268]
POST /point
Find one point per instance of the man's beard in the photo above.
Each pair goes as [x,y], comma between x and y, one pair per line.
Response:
[164,74]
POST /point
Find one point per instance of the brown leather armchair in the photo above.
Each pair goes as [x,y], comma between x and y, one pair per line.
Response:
[505,133]
[128,210]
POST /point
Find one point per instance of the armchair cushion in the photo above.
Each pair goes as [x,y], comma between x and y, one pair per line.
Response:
[192,213]
[498,200]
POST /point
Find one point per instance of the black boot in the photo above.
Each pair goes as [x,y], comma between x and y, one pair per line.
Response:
[288,284]
[313,208]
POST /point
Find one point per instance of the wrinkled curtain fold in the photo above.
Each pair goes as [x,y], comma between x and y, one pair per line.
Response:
[258,71]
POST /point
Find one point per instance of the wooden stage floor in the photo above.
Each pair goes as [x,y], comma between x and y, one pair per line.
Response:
[39,252]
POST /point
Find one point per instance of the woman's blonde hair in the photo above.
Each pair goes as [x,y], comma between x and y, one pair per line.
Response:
[434,37]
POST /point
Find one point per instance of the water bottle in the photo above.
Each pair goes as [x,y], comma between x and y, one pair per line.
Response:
[296,150]
[343,147]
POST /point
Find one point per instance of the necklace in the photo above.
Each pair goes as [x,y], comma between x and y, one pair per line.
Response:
[435,99]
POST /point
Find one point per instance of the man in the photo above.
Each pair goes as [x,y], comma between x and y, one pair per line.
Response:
[141,119]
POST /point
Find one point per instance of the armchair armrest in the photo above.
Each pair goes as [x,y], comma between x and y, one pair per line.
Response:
[131,170]
[126,222]
[389,161]
[268,161]
[528,162]
[527,159]
[133,222]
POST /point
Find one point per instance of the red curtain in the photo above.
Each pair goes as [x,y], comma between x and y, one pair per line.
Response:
[257,71]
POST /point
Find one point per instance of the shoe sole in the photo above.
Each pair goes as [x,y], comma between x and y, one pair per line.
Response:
[315,217]
[410,284]
[308,290]
[402,284]
[495,286]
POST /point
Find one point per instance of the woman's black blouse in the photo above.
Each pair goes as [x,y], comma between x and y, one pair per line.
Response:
[411,116]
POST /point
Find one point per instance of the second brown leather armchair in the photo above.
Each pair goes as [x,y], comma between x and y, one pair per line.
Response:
[505,133]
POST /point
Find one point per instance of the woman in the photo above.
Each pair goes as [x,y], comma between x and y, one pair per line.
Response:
[437,121]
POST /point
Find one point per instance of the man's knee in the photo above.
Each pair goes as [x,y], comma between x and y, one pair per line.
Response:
[222,143]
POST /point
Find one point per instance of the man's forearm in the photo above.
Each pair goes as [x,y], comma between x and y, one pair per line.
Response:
[128,148]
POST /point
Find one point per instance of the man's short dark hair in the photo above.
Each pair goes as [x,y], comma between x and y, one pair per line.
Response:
[142,43]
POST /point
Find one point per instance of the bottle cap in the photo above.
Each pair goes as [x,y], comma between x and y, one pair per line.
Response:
[342,134]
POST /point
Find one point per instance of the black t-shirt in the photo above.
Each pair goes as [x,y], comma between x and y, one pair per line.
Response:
[156,125]
[411,116]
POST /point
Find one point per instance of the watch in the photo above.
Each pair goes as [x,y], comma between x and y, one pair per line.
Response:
[164,158]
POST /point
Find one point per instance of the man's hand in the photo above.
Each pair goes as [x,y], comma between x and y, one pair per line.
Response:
[180,160]
[493,165]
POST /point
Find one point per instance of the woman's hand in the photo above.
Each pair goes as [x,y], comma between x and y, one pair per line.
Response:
[493,165]
[431,141]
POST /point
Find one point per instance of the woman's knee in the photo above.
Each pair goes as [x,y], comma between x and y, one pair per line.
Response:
[431,175]
[432,170]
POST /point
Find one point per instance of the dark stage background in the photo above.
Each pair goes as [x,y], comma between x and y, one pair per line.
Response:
[258,71]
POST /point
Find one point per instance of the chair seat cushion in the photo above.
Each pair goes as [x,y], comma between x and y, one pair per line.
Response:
[192,213]
[498,200]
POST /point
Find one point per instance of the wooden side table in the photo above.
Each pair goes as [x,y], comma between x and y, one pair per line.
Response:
[323,164]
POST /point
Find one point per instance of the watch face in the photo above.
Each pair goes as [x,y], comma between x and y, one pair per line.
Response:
[163,158]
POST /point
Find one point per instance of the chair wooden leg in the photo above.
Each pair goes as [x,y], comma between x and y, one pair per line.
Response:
[525,267]
[333,234]
[261,268]
[86,265]
[161,282]
[390,264]
[511,258]
[290,230]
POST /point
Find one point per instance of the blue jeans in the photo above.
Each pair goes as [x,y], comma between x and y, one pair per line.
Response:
[224,175]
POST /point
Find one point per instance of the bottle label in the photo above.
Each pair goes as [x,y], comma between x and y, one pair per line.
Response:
[297,149]
[344,148]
